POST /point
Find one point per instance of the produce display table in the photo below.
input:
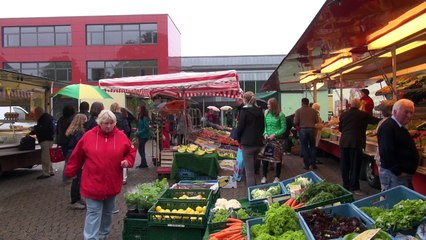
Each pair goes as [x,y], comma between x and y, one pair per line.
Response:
[207,164]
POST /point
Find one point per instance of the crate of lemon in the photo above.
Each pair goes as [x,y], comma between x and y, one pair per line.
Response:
[181,214]
[195,149]
[187,194]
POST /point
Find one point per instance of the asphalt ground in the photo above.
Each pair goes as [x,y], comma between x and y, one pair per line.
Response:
[33,209]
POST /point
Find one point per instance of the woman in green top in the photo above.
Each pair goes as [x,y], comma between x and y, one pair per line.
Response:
[275,125]
[143,133]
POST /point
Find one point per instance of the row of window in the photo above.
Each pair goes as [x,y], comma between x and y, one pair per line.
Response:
[62,71]
[98,35]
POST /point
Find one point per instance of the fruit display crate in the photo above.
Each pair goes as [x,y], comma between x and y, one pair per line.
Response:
[176,194]
[135,229]
[259,209]
[345,210]
[387,199]
[179,219]
[275,198]
[310,175]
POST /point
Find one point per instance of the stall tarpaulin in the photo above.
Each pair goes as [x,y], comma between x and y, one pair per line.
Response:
[179,85]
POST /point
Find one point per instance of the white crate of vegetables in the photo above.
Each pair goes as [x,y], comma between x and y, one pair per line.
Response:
[262,192]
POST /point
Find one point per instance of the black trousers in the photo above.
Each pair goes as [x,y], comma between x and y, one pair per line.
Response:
[277,169]
[350,167]
[75,188]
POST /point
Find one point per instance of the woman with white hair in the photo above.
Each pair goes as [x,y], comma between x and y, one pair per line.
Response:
[105,151]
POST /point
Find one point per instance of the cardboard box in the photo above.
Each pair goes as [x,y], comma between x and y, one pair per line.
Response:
[227,182]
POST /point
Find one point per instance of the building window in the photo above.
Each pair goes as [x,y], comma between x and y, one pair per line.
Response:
[121,34]
[59,71]
[37,36]
[115,69]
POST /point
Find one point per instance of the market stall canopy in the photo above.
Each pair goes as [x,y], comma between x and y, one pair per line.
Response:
[355,38]
[11,79]
[179,85]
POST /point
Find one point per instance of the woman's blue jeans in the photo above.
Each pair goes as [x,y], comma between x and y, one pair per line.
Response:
[98,218]
[141,148]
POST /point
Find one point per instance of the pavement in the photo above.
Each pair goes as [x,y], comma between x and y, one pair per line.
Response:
[33,209]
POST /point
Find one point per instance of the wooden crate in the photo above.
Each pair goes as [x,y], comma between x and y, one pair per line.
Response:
[167,158]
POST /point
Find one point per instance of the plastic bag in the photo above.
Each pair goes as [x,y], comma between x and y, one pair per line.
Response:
[239,166]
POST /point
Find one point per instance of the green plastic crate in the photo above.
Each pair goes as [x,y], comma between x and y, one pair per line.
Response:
[178,220]
[135,229]
[259,209]
[170,194]
[175,233]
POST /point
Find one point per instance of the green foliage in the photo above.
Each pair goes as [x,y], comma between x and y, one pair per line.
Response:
[146,194]
[321,197]
[281,218]
[258,229]
[265,236]
[403,216]
[292,235]
[372,212]
[314,189]
[220,215]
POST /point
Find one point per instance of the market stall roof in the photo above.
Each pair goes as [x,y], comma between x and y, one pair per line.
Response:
[12,78]
[179,85]
[348,29]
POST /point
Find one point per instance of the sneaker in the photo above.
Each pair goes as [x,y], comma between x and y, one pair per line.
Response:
[124,182]
[81,201]
[116,211]
[43,177]
[276,180]
[77,206]
[358,193]
[263,180]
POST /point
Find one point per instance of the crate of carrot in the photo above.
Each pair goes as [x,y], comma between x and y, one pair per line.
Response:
[235,230]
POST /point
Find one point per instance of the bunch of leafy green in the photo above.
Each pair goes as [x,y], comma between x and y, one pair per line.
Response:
[281,218]
[316,188]
[320,197]
[293,235]
[260,193]
[146,194]
[372,212]
[265,236]
[403,216]
[258,229]
[242,214]
[274,190]
[221,215]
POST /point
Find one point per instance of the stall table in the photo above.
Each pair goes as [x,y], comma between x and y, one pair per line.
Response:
[12,157]
[205,165]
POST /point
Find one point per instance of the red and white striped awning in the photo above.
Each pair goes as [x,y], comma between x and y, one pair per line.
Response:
[179,85]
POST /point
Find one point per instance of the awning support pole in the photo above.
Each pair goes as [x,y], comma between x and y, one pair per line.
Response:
[394,90]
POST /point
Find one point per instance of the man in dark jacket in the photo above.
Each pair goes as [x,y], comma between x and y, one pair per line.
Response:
[251,124]
[398,153]
[353,124]
[44,130]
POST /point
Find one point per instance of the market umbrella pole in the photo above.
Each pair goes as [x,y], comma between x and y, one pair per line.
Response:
[204,122]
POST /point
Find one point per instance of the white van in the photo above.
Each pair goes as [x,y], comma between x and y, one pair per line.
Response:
[4,109]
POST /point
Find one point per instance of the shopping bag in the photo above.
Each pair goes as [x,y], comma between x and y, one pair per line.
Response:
[56,154]
[135,142]
[239,166]
[272,151]
[27,143]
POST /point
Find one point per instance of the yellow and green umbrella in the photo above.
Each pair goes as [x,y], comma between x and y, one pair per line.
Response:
[82,91]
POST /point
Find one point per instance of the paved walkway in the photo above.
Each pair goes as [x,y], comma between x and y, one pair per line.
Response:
[33,209]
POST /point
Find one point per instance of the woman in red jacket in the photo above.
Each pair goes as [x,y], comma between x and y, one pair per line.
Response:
[104,151]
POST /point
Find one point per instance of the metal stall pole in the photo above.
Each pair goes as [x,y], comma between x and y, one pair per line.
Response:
[394,90]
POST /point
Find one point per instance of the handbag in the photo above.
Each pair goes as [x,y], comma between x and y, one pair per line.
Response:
[56,154]
[135,142]
[272,151]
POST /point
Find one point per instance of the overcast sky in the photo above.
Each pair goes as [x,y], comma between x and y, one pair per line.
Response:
[208,28]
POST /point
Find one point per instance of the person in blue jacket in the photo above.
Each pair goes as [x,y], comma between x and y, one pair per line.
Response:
[143,133]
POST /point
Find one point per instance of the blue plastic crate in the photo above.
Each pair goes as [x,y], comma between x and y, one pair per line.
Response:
[387,199]
[255,221]
[310,175]
[282,195]
[346,210]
